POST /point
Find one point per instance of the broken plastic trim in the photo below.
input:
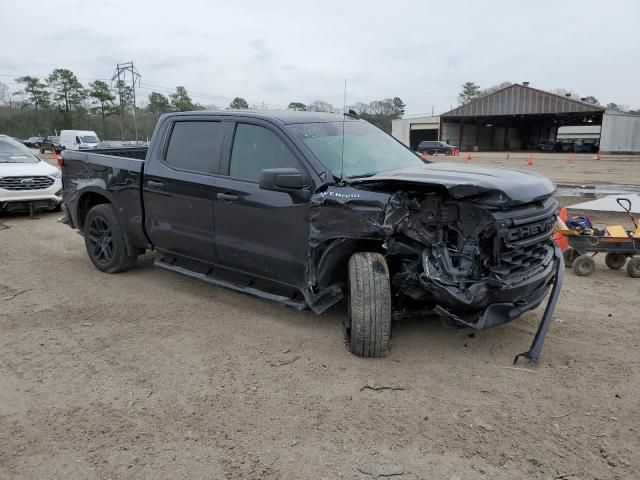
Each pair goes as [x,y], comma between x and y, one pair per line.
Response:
[533,354]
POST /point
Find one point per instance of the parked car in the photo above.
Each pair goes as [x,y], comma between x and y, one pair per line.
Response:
[26,182]
[51,144]
[588,147]
[33,142]
[551,146]
[78,139]
[434,148]
[308,208]
[568,146]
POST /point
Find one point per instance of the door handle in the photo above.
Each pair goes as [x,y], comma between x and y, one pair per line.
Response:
[154,184]
[227,197]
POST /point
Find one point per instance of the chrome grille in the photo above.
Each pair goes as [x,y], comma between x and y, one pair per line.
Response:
[26,183]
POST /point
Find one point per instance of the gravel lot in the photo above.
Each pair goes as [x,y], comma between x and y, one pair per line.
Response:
[148,374]
[583,170]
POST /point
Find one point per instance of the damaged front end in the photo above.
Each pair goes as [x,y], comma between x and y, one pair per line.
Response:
[476,260]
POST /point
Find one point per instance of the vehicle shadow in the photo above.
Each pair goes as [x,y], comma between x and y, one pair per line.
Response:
[412,338]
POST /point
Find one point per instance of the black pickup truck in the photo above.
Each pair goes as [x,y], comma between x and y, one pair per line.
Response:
[308,208]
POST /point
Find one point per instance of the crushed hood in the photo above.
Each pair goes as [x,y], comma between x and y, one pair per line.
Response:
[508,186]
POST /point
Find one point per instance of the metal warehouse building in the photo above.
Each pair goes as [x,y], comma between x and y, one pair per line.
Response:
[519,117]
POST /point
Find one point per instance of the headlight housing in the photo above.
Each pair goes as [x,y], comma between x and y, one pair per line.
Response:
[56,175]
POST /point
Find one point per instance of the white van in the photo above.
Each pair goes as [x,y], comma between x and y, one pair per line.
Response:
[78,139]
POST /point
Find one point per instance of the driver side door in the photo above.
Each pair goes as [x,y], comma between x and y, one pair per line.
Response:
[260,232]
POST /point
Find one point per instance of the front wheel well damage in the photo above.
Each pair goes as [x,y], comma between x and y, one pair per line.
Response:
[332,263]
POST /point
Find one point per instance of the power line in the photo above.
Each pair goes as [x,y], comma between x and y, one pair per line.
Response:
[124,70]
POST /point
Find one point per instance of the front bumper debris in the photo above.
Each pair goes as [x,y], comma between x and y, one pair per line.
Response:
[500,313]
[533,354]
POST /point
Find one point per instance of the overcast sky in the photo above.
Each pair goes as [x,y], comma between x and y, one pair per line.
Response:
[281,51]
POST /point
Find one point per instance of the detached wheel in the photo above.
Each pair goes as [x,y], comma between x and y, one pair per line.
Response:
[569,256]
[615,261]
[369,303]
[105,240]
[633,267]
[584,265]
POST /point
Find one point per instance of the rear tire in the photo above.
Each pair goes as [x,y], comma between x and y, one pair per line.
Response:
[584,265]
[615,261]
[633,267]
[369,302]
[106,241]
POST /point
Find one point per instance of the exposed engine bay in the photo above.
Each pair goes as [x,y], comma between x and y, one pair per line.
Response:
[452,254]
[468,260]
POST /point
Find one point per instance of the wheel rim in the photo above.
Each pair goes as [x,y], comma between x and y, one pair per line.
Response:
[584,267]
[101,240]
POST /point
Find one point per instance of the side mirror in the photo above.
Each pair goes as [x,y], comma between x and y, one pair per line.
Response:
[281,179]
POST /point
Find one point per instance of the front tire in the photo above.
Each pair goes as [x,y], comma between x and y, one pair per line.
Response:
[369,301]
[106,241]
[584,265]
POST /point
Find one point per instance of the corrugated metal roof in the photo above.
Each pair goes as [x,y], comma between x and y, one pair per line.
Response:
[521,100]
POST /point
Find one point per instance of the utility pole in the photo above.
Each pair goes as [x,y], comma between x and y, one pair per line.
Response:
[126,73]
[11,95]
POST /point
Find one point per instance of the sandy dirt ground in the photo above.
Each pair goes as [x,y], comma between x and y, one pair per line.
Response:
[148,374]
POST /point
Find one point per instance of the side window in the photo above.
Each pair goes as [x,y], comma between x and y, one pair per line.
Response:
[256,148]
[195,146]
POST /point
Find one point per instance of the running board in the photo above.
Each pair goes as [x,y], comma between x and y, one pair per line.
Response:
[231,286]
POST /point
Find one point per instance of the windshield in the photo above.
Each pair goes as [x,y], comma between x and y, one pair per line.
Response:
[89,139]
[14,152]
[367,149]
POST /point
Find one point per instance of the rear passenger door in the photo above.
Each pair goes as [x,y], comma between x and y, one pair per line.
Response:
[178,188]
[261,232]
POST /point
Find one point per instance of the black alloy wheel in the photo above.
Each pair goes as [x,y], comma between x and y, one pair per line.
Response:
[100,238]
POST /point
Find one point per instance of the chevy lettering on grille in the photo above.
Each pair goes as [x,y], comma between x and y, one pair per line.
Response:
[531,229]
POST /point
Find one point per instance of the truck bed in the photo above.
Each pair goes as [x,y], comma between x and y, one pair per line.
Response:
[125,158]
[138,153]
[112,174]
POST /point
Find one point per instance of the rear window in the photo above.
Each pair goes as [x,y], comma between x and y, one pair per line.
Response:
[195,146]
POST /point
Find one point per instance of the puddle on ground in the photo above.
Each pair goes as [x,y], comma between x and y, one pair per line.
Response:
[569,195]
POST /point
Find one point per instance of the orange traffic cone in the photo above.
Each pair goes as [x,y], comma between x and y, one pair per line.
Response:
[468,159]
[570,159]
[597,156]
[530,161]
[425,155]
[563,214]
